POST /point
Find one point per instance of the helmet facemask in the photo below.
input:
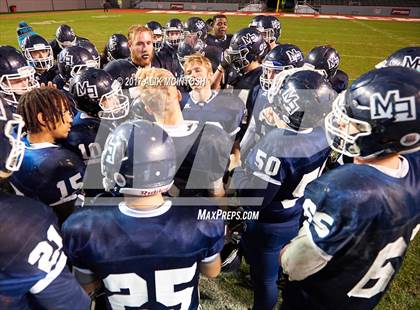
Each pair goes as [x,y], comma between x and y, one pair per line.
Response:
[13,132]
[238,58]
[343,131]
[171,41]
[8,84]
[269,72]
[40,63]
[114,104]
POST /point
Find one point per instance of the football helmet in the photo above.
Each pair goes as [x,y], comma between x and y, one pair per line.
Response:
[91,48]
[16,77]
[196,26]
[174,25]
[269,26]
[282,57]
[138,159]
[117,47]
[12,147]
[157,30]
[123,71]
[184,50]
[98,94]
[304,99]
[406,57]
[324,58]
[65,36]
[378,115]
[246,46]
[73,60]
[36,43]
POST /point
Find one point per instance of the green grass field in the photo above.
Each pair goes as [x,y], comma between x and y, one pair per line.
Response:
[361,44]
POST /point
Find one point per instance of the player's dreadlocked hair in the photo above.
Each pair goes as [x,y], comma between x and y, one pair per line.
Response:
[50,102]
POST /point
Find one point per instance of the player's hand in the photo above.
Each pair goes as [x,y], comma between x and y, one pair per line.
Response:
[225,62]
[49,84]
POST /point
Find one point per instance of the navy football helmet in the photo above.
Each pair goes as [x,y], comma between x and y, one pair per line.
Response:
[98,94]
[269,26]
[73,60]
[91,48]
[12,147]
[123,71]
[304,99]
[16,77]
[38,44]
[378,115]
[174,32]
[196,26]
[157,30]
[117,47]
[246,46]
[65,36]
[282,57]
[184,50]
[324,58]
[406,57]
[138,159]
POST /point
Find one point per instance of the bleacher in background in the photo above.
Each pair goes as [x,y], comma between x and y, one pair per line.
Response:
[393,3]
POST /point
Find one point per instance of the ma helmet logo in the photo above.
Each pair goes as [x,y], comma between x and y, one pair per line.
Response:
[113,45]
[402,109]
[200,24]
[290,97]
[409,62]
[294,55]
[333,61]
[275,24]
[67,59]
[85,88]
[249,38]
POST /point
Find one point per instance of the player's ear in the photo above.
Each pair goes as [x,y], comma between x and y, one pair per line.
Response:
[179,95]
[41,119]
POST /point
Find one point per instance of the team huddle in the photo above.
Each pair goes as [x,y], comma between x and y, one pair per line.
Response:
[108,159]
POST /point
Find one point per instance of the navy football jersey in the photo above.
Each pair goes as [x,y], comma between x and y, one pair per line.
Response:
[147,259]
[47,76]
[202,152]
[362,221]
[33,271]
[214,54]
[222,43]
[257,127]
[224,110]
[279,167]
[87,138]
[50,173]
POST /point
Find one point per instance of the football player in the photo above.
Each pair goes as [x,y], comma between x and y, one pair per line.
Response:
[101,105]
[16,77]
[157,30]
[360,217]
[39,54]
[220,28]
[147,252]
[33,271]
[202,149]
[405,57]
[280,58]
[195,33]
[173,35]
[71,61]
[64,37]
[327,58]
[270,28]
[115,48]
[140,43]
[277,169]
[205,105]
[91,48]
[49,172]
